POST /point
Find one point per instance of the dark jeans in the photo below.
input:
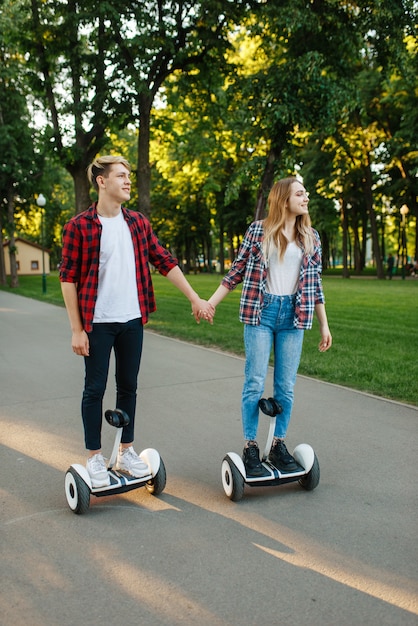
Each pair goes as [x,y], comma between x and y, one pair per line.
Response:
[126,340]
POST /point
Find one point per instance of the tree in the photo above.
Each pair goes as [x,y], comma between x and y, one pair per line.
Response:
[69,56]
[363,140]
[243,92]
[305,82]
[396,113]
[97,68]
[16,148]
[196,155]
[170,37]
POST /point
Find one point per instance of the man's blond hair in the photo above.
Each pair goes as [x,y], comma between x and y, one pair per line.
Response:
[101,167]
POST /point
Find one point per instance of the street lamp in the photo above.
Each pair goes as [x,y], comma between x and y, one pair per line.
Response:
[41,202]
[404,212]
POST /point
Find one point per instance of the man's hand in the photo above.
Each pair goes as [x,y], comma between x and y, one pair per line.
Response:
[80,343]
[202,309]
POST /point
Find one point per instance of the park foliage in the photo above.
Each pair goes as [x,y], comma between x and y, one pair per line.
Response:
[211,102]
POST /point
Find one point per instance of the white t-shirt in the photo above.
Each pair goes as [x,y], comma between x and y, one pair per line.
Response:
[117,293]
[283,275]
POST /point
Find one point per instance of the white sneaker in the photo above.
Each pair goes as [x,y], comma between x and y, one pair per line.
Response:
[129,461]
[97,470]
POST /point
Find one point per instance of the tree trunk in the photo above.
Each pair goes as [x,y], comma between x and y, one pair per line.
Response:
[187,256]
[344,224]
[3,277]
[81,187]
[221,245]
[266,184]
[14,278]
[413,208]
[356,241]
[373,223]
[325,250]
[144,168]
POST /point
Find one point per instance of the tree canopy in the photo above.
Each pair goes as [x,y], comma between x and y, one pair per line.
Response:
[211,102]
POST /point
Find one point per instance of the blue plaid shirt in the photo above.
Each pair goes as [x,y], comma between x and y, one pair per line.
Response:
[250,268]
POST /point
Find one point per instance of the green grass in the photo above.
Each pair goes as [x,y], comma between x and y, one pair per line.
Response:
[373,323]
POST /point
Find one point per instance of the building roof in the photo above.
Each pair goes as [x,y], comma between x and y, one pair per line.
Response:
[28,243]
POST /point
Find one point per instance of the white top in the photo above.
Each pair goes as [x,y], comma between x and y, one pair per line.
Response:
[117,293]
[283,276]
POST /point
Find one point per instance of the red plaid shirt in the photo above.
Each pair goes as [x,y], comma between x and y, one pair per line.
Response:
[250,268]
[80,259]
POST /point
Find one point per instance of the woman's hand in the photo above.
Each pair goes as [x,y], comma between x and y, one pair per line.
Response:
[202,309]
[326,339]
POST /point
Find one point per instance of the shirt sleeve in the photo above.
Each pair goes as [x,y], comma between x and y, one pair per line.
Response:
[70,264]
[237,272]
[319,292]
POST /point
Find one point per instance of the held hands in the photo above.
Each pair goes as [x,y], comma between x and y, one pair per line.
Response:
[202,309]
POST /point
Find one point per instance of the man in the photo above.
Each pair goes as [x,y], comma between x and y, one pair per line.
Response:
[108,293]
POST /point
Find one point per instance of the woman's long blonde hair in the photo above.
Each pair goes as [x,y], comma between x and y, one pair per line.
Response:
[276,217]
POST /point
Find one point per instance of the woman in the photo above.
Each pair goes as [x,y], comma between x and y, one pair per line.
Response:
[279,263]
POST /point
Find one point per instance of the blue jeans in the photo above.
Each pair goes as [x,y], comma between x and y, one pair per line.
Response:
[276,329]
[126,340]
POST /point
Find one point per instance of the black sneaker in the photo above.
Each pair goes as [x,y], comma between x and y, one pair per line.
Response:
[251,458]
[280,457]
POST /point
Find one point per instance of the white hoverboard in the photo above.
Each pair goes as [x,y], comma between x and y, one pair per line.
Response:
[78,484]
[234,476]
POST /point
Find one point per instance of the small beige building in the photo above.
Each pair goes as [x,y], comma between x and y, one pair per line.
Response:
[31,258]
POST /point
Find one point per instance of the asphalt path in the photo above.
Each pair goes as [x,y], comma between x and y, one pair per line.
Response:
[345,553]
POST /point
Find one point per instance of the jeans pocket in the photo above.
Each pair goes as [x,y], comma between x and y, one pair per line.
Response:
[267,300]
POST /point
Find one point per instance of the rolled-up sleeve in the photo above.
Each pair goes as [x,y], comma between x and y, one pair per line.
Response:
[69,271]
